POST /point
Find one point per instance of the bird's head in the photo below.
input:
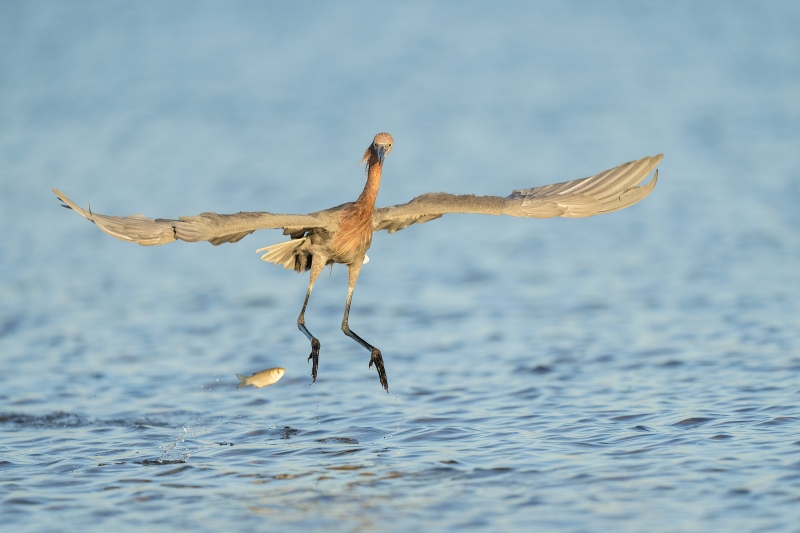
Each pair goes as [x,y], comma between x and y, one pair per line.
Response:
[380,147]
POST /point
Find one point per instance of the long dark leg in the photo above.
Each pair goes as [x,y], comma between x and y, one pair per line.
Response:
[317,265]
[352,274]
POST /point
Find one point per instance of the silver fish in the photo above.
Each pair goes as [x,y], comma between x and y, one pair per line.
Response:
[261,379]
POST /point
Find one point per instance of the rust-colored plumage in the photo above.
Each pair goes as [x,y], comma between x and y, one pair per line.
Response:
[343,234]
[355,221]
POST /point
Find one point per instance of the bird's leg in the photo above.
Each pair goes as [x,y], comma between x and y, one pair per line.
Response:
[301,325]
[352,273]
[316,269]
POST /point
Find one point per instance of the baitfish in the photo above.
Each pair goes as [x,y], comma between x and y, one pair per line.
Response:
[261,379]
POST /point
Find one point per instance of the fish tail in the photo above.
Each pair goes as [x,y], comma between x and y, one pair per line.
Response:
[242,381]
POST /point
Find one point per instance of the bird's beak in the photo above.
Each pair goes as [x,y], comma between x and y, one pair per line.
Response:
[381,150]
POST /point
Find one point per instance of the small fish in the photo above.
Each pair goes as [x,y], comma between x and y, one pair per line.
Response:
[261,379]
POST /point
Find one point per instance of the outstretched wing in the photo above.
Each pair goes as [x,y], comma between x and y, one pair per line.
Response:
[608,191]
[210,227]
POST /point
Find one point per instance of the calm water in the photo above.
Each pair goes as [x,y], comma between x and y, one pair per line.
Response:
[636,371]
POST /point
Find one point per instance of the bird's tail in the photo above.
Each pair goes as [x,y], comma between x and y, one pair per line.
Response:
[242,381]
[291,255]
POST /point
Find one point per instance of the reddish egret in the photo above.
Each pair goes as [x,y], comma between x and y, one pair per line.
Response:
[343,234]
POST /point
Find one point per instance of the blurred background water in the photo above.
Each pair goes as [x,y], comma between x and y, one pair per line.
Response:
[634,371]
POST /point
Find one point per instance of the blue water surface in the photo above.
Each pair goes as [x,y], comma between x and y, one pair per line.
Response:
[628,372]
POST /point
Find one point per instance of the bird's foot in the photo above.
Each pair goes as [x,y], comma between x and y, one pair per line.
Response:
[315,358]
[377,358]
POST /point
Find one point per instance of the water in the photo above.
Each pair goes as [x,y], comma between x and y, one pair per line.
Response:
[634,371]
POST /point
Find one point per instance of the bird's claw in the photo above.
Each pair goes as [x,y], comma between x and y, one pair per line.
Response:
[377,358]
[315,358]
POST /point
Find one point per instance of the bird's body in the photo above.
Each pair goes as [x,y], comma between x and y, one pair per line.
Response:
[343,234]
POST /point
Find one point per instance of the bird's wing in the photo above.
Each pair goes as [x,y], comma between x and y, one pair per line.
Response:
[210,227]
[607,191]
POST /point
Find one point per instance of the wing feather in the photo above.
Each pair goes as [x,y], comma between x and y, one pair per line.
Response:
[211,227]
[611,190]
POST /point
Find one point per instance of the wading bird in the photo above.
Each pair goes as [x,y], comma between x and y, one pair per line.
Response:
[343,234]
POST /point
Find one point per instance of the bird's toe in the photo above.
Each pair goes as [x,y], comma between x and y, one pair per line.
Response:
[377,359]
[314,358]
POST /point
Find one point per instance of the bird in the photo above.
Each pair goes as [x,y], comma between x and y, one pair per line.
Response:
[343,234]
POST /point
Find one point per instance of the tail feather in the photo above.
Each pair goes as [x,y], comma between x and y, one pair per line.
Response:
[291,255]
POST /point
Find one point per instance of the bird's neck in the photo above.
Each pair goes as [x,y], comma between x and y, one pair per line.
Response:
[370,193]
